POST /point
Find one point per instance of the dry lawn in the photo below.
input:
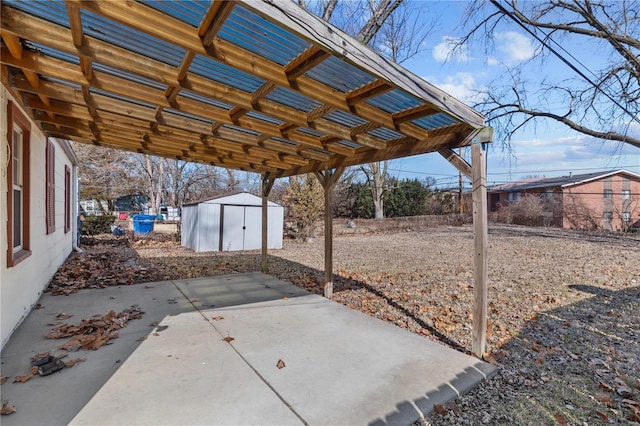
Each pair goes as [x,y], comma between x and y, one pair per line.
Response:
[564,307]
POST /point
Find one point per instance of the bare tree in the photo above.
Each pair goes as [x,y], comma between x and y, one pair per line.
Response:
[104,175]
[392,27]
[600,103]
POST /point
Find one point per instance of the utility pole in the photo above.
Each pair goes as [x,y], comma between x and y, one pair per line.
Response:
[460,203]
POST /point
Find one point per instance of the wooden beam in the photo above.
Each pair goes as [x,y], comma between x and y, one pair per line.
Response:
[13,44]
[319,112]
[364,128]
[456,160]
[414,113]
[305,61]
[75,22]
[262,91]
[480,235]
[267,184]
[367,91]
[213,20]
[328,179]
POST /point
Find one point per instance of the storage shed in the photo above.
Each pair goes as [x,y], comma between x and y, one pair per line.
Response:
[230,223]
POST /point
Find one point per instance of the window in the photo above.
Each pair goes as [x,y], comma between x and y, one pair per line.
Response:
[50,196]
[513,196]
[626,194]
[626,217]
[18,200]
[608,194]
[67,199]
[608,217]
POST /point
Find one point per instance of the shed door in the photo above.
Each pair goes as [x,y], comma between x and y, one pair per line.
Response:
[241,228]
[232,228]
[252,228]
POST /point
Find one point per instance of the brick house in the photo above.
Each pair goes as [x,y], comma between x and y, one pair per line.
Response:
[608,200]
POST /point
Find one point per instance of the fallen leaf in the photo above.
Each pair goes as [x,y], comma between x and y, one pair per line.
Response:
[605,386]
[142,338]
[7,409]
[39,306]
[602,415]
[560,419]
[280,364]
[540,360]
[490,358]
[605,399]
[26,377]
[156,334]
[631,402]
[218,318]
[438,408]
[63,316]
[622,389]
[73,362]
[3,379]
[228,339]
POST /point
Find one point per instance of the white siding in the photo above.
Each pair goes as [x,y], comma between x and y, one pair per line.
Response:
[22,284]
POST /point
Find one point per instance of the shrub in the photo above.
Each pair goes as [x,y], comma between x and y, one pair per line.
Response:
[94,225]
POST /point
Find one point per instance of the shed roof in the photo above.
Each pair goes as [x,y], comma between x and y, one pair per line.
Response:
[239,198]
[259,86]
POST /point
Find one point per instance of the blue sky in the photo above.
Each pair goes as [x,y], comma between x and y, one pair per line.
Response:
[547,149]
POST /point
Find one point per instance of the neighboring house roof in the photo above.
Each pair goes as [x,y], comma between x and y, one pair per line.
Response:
[557,182]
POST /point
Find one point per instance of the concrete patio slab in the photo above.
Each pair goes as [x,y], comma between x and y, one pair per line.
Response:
[341,366]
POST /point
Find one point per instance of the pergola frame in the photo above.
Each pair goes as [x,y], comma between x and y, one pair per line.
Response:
[258,86]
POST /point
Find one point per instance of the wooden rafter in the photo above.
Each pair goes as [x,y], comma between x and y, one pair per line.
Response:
[173,113]
[304,62]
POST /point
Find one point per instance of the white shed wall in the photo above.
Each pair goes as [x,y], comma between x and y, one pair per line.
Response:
[201,224]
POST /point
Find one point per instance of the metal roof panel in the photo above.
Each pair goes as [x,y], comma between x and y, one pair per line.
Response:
[224,74]
[340,75]
[255,34]
[394,101]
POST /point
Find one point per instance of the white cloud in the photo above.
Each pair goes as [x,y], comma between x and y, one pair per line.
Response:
[447,50]
[515,46]
[461,85]
[492,61]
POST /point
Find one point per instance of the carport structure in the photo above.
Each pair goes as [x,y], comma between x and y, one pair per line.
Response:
[258,86]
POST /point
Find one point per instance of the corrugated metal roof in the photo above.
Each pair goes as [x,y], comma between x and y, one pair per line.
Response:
[303,83]
[190,12]
[340,75]
[394,101]
[257,35]
[293,99]
[435,121]
[225,74]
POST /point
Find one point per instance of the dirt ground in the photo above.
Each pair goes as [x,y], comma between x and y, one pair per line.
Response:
[564,306]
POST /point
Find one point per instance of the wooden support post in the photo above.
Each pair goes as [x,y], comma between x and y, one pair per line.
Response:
[328,180]
[267,184]
[480,235]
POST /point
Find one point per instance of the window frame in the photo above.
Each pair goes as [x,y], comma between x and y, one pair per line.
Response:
[608,194]
[607,217]
[626,194]
[50,185]
[67,199]
[15,118]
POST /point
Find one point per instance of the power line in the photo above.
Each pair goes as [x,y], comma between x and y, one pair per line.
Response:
[562,58]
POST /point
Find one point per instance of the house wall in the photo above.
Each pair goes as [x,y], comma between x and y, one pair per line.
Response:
[22,284]
[585,205]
